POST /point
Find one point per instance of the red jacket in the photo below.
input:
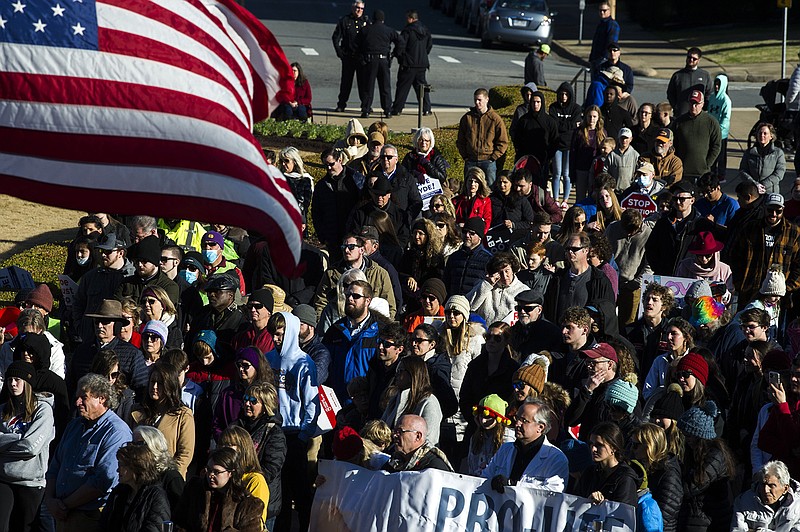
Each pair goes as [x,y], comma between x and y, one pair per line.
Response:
[780,435]
[481,207]
[302,93]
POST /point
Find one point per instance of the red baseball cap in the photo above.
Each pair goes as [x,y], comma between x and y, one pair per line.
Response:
[601,350]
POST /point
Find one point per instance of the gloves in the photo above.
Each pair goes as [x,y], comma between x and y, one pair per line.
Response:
[499,482]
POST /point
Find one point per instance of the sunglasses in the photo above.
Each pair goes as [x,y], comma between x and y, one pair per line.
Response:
[681,199]
[387,343]
[151,337]
[244,365]
[104,321]
[250,399]
[574,249]
[685,374]
[494,337]
[519,385]
[440,225]
[388,157]
[349,247]
[114,374]
[429,297]
[526,308]
[165,260]
[151,301]
[255,306]
[419,340]
[355,296]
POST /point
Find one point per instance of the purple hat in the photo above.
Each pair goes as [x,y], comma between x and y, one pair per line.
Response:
[213,236]
[250,354]
[157,327]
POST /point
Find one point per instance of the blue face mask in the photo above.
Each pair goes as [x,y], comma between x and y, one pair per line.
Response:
[211,255]
[189,277]
[82,260]
[645,180]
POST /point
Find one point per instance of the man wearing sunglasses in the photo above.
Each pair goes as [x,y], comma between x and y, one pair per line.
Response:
[533,333]
[353,339]
[685,80]
[352,250]
[760,244]
[674,232]
[346,38]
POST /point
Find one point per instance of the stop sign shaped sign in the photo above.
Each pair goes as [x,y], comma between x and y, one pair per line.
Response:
[640,202]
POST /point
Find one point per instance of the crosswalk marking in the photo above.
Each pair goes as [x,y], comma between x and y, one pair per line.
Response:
[518,63]
[309,51]
[448,59]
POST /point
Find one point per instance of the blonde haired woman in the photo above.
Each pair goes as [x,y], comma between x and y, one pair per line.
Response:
[301,183]
[473,200]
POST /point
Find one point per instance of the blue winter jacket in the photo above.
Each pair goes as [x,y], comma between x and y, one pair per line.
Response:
[298,392]
[648,514]
[719,106]
[350,353]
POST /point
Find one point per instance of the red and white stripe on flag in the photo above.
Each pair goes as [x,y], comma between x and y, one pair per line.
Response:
[146,107]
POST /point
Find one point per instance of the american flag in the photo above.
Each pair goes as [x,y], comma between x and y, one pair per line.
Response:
[144,107]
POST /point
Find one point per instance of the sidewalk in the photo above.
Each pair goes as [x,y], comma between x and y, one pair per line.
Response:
[647,53]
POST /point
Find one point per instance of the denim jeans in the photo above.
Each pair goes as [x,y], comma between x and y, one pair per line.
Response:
[489,168]
[561,171]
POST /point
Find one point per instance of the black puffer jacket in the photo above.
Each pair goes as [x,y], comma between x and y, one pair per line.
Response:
[707,505]
[667,489]
[270,445]
[617,484]
[567,116]
[465,268]
[435,165]
[143,512]
[514,208]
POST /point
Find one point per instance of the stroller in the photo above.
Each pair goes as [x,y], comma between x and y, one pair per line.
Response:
[774,112]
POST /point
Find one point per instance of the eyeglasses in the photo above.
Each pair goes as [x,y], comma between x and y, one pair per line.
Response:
[574,249]
[330,165]
[250,399]
[216,472]
[388,157]
[681,199]
[150,337]
[255,306]
[387,343]
[527,309]
[451,311]
[593,363]
[354,296]
[349,247]
[400,431]
[151,301]
[419,340]
[244,365]
[749,326]
[164,260]
[429,297]
[114,374]
[685,374]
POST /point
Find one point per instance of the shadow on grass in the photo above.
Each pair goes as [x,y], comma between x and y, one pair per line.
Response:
[50,237]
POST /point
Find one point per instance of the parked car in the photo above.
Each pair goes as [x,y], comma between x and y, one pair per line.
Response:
[526,22]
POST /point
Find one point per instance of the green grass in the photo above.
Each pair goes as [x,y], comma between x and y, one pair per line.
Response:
[724,44]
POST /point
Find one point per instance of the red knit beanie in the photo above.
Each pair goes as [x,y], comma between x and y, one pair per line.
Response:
[696,364]
[346,444]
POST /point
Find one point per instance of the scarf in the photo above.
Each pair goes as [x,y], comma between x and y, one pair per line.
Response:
[401,462]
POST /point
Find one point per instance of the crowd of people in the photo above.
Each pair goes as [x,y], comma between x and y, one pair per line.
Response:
[503,327]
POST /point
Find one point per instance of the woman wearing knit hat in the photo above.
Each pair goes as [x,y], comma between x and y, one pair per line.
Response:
[251,367]
[680,338]
[27,418]
[493,298]
[707,471]
[610,478]
[462,342]
[667,409]
[156,305]
[494,429]
[154,340]
[622,399]
[769,299]
[528,381]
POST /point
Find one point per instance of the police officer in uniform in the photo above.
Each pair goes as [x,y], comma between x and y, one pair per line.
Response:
[376,46]
[412,54]
[346,39]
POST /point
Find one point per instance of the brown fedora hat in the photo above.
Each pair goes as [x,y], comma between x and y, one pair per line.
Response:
[109,309]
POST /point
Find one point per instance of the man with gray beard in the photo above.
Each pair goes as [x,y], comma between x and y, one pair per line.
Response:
[667,165]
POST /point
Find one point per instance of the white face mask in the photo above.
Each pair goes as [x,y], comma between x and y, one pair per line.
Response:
[82,260]
[645,180]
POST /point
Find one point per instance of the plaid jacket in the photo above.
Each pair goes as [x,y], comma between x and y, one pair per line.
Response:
[749,260]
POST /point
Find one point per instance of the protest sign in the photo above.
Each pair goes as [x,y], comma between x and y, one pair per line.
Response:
[678,285]
[15,278]
[639,202]
[69,289]
[428,189]
[356,499]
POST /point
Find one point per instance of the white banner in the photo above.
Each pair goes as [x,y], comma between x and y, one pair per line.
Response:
[356,499]
[678,285]
[428,189]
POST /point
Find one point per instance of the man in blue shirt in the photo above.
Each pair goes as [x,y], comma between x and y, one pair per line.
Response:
[84,467]
[719,208]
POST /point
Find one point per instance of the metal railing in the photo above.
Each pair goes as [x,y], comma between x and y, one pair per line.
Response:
[583,73]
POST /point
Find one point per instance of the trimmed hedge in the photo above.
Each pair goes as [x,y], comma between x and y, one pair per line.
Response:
[45,263]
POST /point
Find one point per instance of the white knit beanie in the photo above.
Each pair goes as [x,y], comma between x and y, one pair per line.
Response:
[774,284]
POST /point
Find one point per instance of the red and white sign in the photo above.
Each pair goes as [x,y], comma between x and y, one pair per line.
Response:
[640,202]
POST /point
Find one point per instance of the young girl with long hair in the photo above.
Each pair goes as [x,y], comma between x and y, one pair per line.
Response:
[585,144]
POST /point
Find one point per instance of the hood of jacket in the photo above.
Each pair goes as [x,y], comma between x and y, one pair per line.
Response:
[290,350]
[417,28]
[355,129]
[528,87]
[541,109]
[723,86]
[565,87]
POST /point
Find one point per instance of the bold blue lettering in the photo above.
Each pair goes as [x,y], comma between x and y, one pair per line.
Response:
[480,519]
[509,506]
[444,504]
